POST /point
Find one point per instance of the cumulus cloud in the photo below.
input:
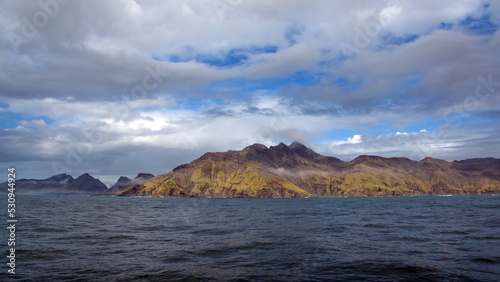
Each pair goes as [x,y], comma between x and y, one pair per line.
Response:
[33,123]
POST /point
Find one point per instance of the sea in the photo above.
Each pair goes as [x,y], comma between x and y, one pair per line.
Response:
[104,238]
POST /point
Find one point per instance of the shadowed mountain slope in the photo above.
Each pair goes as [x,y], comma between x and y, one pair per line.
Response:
[124,182]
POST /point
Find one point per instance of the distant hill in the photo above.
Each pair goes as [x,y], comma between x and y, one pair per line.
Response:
[297,171]
[60,184]
[124,182]
[85,183]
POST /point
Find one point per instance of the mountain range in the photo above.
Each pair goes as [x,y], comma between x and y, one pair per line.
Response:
[60,184]
[64,184]
[297,171]
[289,171]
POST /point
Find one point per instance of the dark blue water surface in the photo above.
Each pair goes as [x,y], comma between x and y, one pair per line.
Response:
[78,238]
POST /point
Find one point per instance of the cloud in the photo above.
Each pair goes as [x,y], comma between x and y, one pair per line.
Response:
[111,86]
[33,123]
[443,143]
[98,59]
[356,139]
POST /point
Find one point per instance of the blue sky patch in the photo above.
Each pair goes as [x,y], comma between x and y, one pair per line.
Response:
[347,84]
[333,63]
[335,134]
[445,26]
[392,39]
[245,86]
[291,34]
[9,120]
[232,58]
[195,104]
[430,124]
[480,25]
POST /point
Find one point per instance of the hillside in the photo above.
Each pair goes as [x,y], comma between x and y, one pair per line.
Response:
[297,171]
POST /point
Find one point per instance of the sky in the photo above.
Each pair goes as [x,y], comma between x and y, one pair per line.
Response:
[120,87]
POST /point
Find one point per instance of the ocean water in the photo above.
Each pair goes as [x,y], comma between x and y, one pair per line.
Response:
[82,238]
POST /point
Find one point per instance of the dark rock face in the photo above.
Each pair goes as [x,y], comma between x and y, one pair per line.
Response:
[146,176]
[124,182]
[298,171]
[85,183]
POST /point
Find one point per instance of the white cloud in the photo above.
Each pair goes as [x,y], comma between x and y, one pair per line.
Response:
[33,123]
[75,110]
[350,140]
[445,143]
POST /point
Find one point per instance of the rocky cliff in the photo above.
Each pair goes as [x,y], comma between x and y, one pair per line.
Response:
[297,171]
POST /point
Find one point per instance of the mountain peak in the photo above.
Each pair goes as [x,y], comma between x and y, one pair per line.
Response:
[297,146]
[428,159]
[282,145]
[280,148]
[85,175]
[296,155]
[257,146]
[85,183]
[63,177]
[123,179]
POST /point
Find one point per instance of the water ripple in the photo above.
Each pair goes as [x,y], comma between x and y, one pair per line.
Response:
[357,239]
